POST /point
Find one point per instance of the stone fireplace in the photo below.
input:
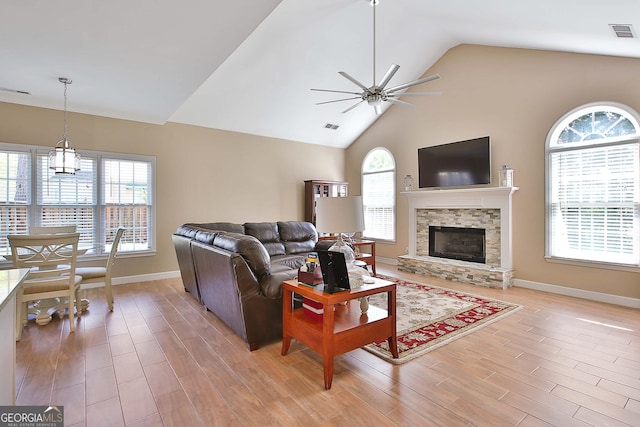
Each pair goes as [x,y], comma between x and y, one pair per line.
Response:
[473,225]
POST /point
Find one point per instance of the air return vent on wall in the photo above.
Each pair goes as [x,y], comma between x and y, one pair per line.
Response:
[623,31]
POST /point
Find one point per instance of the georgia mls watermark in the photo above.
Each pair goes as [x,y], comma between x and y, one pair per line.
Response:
[31,416]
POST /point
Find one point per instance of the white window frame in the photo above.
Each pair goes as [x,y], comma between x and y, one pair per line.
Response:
[392,203]
[552,148]
[94,233]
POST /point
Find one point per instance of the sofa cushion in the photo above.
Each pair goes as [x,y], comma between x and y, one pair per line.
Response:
[267,233]
[187,230]
[205,236]
[298,237]
[249,247]
[290,261]
[219,226]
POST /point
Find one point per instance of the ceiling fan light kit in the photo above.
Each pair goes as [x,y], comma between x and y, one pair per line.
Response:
[376,94]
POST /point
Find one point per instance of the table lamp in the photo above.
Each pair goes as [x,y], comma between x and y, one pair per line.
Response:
[340,215]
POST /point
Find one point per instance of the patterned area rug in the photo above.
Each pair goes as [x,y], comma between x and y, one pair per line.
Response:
[429,317]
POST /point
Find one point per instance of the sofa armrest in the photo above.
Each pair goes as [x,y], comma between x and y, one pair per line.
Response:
[182,246]
[249,247]
[225,281]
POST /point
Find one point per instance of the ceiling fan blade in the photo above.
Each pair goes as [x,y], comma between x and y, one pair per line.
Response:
[336,91]
[354,81]
[413,83]
[390,73]
[337,100]
[352,107]
[397,101]
[414,94]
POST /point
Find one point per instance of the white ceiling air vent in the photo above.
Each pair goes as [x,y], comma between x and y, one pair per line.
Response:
[331,126]
[21,92]
[623,31]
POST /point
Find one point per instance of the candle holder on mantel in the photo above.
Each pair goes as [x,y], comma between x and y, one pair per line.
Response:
[505,176]
[408,183]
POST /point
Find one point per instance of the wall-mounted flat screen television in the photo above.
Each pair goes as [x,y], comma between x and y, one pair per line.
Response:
[456,164]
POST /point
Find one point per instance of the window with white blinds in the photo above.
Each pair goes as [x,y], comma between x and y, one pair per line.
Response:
[67,199]
[15,194]
[110,191]
[593,191]
[378,195]
[127,200]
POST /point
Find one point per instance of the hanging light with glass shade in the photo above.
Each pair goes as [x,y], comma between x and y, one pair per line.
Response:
[64,159]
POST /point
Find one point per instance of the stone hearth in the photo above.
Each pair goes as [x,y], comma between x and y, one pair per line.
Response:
[488,208]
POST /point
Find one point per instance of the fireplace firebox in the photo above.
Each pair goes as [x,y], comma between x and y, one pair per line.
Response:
[465,244]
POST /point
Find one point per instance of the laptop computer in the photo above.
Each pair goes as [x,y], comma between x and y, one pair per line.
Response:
[334,271]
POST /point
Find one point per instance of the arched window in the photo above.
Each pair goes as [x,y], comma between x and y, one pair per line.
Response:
[378,195]
[593,186]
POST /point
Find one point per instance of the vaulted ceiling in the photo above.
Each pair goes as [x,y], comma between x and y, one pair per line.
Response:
[248,65]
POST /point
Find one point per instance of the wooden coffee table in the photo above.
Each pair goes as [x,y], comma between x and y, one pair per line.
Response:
[343,329]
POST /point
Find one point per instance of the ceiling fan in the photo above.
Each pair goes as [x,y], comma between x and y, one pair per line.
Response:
[376,94]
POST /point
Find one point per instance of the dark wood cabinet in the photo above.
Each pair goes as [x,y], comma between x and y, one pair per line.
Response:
[314,189]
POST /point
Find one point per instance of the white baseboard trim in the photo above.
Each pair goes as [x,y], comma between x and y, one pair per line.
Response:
[578,293]
[561,290]
[134,279]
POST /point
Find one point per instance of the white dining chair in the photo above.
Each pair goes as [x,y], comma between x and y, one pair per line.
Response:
[103,274]
[51,260]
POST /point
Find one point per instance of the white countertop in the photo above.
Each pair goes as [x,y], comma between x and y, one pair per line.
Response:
[9,281]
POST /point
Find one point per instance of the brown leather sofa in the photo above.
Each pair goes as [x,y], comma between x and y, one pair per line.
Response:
[236,270]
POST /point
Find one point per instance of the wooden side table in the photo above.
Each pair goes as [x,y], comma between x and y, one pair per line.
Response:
[343,327]
[369,258]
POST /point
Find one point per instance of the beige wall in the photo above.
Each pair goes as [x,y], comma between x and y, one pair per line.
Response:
[515,96]
[202,174]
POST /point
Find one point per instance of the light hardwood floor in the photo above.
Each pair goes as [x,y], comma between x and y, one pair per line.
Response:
[160,359]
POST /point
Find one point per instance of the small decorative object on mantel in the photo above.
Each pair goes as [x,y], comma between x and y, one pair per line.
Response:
[408,183]
[505,175]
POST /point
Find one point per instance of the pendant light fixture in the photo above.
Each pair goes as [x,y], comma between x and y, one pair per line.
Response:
[64,159]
